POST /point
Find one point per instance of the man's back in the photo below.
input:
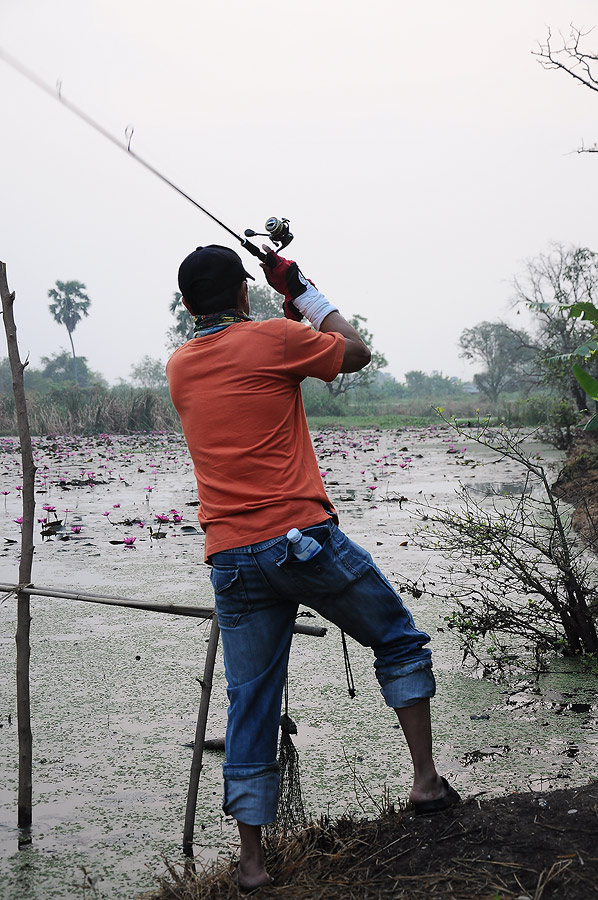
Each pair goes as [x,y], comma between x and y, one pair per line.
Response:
[237,392]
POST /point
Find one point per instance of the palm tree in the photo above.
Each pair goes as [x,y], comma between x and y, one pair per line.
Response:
[69,305]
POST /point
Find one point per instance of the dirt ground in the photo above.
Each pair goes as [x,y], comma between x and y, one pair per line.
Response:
[535,845]
[577,483]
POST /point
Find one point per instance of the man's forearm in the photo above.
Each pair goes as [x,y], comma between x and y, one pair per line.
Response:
[357,353]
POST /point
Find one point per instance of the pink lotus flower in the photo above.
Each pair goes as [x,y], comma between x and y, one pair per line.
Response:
[76,529]
[18,520]
[115,505]
[162,519]
[129,541]
[49,508]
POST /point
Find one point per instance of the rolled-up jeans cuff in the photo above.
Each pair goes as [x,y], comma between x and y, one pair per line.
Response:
[408,684]
[251,793]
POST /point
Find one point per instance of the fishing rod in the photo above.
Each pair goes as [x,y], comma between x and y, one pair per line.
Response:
[277,230]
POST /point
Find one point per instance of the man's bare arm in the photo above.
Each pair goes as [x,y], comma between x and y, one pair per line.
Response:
[302,298]
[357,353]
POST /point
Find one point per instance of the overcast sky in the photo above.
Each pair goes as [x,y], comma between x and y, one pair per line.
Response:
[419,149]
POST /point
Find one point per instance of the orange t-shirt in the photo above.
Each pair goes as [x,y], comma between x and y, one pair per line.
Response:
[238,395]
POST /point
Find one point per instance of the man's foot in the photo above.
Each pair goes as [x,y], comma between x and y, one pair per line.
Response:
[249,881]
[434,799]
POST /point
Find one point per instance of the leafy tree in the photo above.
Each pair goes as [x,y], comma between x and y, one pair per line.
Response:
[349,381]
[418,384]
[6,376]
[182,330]
[58,372]
[552,283]
[503,351]
[149,373]
[69,304]
[264,303]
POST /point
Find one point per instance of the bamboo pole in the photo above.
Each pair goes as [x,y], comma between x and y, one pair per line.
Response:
[200,734]
[198,612]
[25,814]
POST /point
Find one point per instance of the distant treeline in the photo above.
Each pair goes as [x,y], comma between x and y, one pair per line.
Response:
[59,406]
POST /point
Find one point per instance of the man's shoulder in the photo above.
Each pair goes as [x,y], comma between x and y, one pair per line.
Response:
[176,354]
[277,324]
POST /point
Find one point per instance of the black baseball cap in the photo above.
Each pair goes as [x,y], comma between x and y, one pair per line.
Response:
[209,271]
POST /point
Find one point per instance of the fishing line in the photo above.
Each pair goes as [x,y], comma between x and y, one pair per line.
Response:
[56,94]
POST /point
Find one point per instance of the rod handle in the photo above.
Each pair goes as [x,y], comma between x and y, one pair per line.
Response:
[254,250]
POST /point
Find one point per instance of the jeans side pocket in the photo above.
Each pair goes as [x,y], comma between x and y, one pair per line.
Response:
[229,593]
[325,574]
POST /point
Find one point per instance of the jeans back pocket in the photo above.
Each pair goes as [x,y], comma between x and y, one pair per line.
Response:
[230,595]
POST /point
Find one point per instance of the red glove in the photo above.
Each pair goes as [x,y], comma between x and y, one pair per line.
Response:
[285,276]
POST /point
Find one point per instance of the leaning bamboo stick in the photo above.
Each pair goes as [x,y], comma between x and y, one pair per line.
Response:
[199,612]
[200,733]
[25,808]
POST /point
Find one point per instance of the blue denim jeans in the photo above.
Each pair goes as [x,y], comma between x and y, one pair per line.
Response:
[258,589]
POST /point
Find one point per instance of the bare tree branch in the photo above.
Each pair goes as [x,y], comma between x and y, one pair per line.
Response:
[570,57]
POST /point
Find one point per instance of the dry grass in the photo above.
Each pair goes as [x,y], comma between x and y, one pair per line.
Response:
[522,846]
[95,410]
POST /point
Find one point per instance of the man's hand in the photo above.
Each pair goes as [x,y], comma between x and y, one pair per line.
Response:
[301,296]
[285,276]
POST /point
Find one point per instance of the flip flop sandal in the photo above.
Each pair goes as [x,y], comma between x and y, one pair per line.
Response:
[429,807]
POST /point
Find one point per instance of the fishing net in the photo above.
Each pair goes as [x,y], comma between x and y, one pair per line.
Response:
[291,814]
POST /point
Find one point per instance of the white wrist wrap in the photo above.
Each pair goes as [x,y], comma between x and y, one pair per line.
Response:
[314,305]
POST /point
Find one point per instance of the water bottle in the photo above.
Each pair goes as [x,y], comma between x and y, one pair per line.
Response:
[303,547]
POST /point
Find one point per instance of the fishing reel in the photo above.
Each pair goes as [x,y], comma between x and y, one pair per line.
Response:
[276,229]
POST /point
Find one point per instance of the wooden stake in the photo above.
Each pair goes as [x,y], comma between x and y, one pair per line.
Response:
[23,611]
[200,733]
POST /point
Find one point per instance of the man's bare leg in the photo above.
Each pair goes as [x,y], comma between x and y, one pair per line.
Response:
[251,871]
[417,728]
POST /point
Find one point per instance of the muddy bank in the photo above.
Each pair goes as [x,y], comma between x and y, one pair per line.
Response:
[577,483]
[522,846]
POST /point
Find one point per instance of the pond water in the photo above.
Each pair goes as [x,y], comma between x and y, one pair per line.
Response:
[115,691]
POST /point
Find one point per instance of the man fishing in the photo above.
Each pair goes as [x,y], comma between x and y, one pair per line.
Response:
[237,389]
